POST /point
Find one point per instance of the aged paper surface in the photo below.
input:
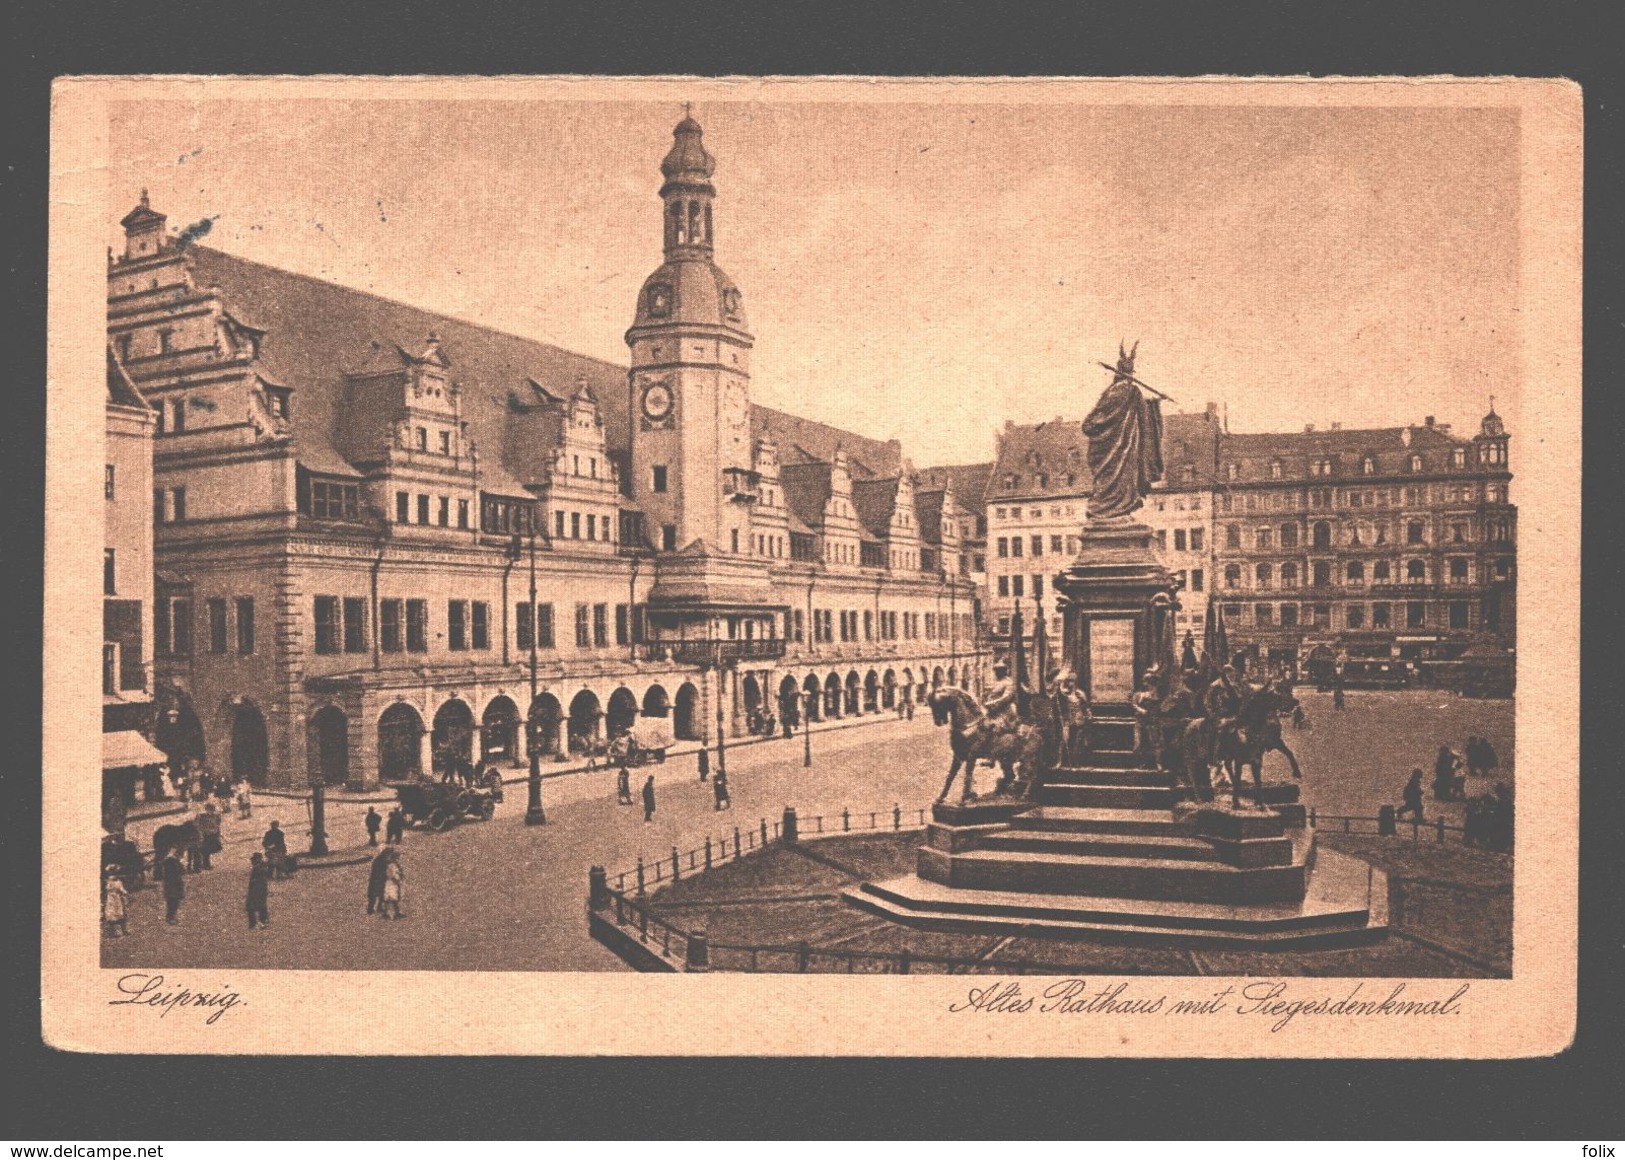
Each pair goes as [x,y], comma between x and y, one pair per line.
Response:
[320,345]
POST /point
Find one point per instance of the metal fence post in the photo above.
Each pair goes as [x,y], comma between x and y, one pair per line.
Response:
[764,831]
[897,817]
[676,865]
[640,875]
[738,847]
[708,851]
[846,819]
[1439,827]
[789,828]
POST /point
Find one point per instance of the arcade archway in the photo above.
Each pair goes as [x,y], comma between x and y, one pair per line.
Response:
[584,715]
[789,701]
[888,690]
[685,722]
[250,747]
[499,731]
[832,696]
[544,723]
[329,746]
[815,698]
[871,692]
[451,743]
[623,711]
[400,737]
[656,703]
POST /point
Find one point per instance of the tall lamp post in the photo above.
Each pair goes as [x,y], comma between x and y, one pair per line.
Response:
[722,745]
[534,814]
[806,729]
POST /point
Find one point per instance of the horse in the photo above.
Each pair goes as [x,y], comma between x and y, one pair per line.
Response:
[1256,731]
[183,839]
[973,737]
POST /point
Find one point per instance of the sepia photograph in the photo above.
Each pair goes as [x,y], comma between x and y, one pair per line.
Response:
[1049,548]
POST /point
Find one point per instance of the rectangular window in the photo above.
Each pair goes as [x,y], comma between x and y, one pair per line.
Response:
[1179,539]
[1038,545]
[1004,586]
[389,625]
[524,625]
[1289,615]
[423,509]
[1038,585]
[1354,616]
[544,626]
[403,507]
[1379,616]
[1415,614]
[445,442]
[480,625]
[1003,547]
[592,531]
[216,606]
[177,500]
[1197,578]
[457,624]
[657,481]
[798,627]
[355,624]
[583,626]
[1458,614]
[334,501]
[575,525]
[668,537]
[1263,614]
[600,625]
[622,624]
[1162,539]
[245,626]
[107,486]
[109,573]
[558,525]
[462,513]
[110,668]
[444,519]
[868,626]
[327,624]
[417,626]
[1017,584]
[1055,545]
[1015,546]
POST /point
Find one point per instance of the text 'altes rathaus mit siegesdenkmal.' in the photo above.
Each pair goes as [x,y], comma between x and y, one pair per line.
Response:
[352,496]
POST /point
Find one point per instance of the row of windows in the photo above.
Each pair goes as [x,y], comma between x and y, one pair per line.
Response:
[1333,464]
[1458,570]
[1419,495]
[854,626]
[430,510]
[168,505]
[1265,539]
[1056,511]
[172,634]
[1192,539]
[1380,615]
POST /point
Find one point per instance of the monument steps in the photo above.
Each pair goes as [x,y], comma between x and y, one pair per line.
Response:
[927,906]
[1085,820]
[1153,846]
[1165,879]
[1107,775]
[1106,796]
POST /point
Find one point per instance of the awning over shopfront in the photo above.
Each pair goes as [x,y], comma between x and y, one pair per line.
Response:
[127,748]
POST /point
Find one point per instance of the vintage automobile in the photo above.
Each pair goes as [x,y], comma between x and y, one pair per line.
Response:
[443,804]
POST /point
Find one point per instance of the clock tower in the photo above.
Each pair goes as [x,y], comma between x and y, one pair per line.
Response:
[689,382]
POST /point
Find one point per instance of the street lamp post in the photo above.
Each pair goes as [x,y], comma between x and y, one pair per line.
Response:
[534,814]
[318,818]
[722,746]
[806,729]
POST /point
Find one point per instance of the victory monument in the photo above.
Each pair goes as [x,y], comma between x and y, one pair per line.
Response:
[1105,823]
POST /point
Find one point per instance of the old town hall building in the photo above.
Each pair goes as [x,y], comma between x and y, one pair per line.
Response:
[354,500]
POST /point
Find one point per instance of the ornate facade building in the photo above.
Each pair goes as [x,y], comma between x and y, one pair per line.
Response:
[1395,542]
[387,539]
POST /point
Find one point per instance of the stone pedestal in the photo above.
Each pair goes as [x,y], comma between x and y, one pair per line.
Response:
[1116,602]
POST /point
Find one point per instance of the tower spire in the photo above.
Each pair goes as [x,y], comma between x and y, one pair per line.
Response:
[688,191]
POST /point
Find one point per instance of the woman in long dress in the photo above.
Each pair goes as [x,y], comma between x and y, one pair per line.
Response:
[394,887]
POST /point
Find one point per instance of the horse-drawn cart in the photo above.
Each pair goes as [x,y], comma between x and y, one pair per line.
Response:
[444,804]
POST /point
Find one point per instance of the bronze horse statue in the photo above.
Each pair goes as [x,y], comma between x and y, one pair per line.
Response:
[1256,731]
[974,738]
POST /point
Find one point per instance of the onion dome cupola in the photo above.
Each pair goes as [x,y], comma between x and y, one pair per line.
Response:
[689,288]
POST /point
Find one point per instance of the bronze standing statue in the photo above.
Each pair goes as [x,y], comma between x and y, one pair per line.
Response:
[1125,442]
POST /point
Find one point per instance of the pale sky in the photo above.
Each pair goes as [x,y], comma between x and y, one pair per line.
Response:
[914,271]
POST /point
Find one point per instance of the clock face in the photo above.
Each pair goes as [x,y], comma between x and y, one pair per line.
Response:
[660,300]
[657,400]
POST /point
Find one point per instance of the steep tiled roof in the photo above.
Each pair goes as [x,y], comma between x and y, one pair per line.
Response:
[1389,447]
[120,390]
[806,491]
[969,482]
[928,507]
[1189,440]
[804,440]
[1043,459]
[874,501]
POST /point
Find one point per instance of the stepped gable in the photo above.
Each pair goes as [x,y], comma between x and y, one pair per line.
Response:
[316,332]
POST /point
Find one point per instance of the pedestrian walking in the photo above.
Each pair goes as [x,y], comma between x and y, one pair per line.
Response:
[174,878]
[623,786]
[373,821]
[649,798]
[1337,696]
[259,892]
[1444,773]
[245,800]
[208,834]
[375,880]
[909,704]
[275,844]
[394,886]
[395,830]
[704,762]
[116,906]
[719,786]
[1412,797]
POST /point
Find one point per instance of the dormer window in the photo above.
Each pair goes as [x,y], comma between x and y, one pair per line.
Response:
[1458,457]
[1275,469]
[1368,466]
[1416,464]
[276,401]
[1232,471]
[445,442]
